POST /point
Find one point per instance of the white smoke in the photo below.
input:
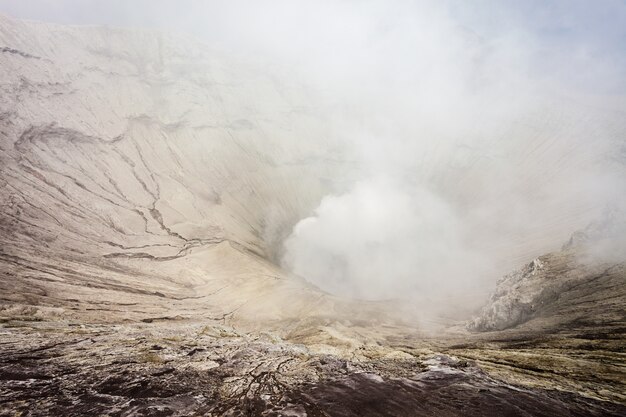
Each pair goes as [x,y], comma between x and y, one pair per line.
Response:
[383,240]
[477,153]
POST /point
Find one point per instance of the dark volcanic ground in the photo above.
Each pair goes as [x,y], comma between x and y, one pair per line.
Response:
[184,369]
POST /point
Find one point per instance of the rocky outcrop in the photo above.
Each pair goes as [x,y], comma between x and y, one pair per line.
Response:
[510,305]
[581,285]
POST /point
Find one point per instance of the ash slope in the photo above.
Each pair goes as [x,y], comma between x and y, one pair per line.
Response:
[138,169]
[145,185]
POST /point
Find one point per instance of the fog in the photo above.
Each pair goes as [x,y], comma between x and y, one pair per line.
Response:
[484,133]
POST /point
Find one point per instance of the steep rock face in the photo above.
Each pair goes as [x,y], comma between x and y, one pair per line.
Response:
[580,286]
[507,309]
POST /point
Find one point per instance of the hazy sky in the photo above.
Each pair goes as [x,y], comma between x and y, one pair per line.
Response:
[568,30]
